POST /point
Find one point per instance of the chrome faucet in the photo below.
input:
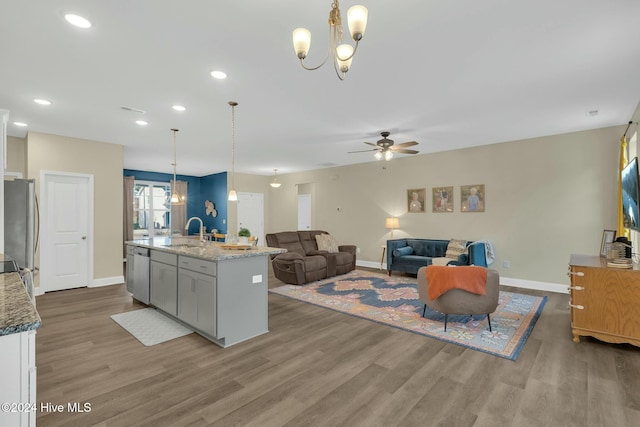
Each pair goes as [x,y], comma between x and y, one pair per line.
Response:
[186,227]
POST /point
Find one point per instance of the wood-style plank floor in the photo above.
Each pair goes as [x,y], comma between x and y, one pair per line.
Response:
[317,367]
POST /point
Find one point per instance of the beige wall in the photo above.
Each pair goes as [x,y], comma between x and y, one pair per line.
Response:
[17,155]
[103,161]
[545,199]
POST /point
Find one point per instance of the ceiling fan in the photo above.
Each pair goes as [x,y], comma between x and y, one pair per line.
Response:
[385,147]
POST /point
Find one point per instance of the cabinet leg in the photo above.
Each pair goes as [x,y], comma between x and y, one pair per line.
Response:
[576,337]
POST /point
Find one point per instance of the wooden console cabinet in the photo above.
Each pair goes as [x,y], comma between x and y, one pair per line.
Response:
[605,301]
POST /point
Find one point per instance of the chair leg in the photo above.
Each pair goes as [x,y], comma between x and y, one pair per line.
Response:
[445,322]
[489,319]
[424,310]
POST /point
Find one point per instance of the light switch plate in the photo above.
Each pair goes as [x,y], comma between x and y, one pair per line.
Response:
[257,278]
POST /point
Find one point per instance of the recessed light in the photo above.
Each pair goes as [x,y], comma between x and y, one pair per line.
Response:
[21,124]
[77,20]
[179,108]
[141,122]
[42,101]
[218,75]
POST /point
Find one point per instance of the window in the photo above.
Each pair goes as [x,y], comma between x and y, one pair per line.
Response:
[151,209]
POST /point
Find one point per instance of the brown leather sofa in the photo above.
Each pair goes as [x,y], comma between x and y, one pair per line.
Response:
[303,262]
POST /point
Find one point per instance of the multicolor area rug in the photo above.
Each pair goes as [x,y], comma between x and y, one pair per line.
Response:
[394,301]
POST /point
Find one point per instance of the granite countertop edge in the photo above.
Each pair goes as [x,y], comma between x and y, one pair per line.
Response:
[17,313]
[203,250]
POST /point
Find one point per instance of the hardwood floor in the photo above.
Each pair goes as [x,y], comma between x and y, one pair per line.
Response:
[320,367]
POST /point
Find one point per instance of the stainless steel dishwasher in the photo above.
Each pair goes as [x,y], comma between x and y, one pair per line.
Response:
[138,284]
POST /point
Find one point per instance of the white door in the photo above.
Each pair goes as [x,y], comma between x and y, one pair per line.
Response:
[66,221]
[304,211]
[251,214]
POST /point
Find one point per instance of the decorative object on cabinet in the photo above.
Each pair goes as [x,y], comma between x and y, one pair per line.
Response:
[472,198]
[416,200]
[607,238]
[604,301]
[442,199]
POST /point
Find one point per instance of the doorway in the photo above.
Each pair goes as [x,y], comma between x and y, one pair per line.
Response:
[304,211]
[251,214]
[66,254]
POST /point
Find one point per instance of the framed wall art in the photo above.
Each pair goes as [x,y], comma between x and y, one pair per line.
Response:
[442,199]
[472,198]
[608,236]
[416,200]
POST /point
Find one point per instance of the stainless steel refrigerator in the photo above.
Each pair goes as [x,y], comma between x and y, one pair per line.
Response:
[20,232]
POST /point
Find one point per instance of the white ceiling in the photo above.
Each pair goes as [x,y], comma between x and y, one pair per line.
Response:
[448,74]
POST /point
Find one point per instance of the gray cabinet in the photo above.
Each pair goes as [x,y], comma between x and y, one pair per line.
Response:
[197,294]
[164,281]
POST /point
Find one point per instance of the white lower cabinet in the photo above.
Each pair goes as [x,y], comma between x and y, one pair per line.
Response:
[18,379]
[164,281]
[197,295]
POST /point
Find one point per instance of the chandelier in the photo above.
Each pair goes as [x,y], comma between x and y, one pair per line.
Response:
[342,53]
[233,196]
[175,197]
[275,183]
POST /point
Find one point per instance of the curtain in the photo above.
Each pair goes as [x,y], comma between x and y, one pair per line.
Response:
[179,212]
[128,212]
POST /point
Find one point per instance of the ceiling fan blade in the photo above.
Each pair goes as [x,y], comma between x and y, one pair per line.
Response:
[371,143]
[363,151]
[407,144]
[403,151]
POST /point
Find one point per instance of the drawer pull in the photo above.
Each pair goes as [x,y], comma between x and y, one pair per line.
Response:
[576,288]
[578,307]
[575,273]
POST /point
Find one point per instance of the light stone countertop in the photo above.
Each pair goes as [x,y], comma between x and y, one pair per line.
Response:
[17,313]
[212,251]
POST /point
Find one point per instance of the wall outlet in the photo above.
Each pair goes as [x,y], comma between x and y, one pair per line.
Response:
[506,264]
[257,278]
[357,250]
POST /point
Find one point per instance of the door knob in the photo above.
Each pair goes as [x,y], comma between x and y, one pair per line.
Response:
[84,237]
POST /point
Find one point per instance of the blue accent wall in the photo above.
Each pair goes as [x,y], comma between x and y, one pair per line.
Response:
[199,189]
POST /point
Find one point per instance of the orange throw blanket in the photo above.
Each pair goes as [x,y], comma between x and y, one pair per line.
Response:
[469,278]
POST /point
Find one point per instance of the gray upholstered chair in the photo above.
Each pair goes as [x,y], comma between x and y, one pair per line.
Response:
[458,301]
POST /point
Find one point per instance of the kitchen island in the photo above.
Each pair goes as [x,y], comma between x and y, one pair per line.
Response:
[19,321]
[217,290]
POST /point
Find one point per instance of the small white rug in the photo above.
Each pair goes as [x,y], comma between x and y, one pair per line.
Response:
[150,326]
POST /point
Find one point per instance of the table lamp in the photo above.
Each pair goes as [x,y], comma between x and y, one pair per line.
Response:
[391,223]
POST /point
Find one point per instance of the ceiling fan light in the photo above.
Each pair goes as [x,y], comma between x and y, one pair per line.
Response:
[378,155]
[301,42]
[388,155]
[344,51]
[357,19]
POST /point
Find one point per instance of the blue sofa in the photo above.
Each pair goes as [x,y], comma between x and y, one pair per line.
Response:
[408,255]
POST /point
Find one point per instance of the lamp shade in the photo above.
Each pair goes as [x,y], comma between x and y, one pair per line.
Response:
[233,196]
[391,223]
[357,20]
[301,42]
[344,51]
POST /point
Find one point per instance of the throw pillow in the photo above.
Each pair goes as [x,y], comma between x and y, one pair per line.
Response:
[455,248]
[405,250]
[326,242]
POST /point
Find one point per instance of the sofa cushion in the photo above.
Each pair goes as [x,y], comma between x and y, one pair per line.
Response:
[407,250]
[455,248]
[308,240]
[413,260]
[326,242]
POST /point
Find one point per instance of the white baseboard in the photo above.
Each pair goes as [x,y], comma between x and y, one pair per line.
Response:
[106,281]
[534,285]
[505,281]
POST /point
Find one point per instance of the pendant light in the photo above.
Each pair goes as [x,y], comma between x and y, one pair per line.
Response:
[275,183]
[175,197]
[233,196]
